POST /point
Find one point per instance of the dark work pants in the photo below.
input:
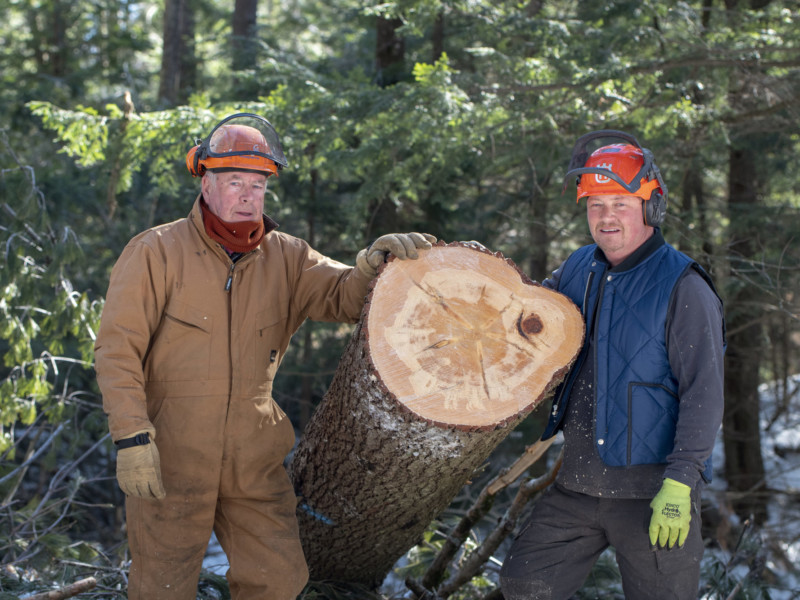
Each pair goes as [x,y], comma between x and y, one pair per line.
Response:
[567,532]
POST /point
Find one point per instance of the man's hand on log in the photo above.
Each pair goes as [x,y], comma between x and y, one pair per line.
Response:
[402,245]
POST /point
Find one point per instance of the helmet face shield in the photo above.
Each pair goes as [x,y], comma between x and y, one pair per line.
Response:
[240,142]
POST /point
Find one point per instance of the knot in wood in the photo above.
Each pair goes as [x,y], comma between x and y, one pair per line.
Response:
[530,325]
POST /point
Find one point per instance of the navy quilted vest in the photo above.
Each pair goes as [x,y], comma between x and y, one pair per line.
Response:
[635,389]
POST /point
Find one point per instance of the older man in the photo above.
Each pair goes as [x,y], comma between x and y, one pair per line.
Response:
[198,317]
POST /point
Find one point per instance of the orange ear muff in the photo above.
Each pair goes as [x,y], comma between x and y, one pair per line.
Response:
[193,162]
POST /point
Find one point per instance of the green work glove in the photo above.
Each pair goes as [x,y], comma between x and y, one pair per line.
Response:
[139,468]
[402,245]
[671,514]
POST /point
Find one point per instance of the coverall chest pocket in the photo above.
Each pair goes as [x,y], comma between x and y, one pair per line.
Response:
[271,326]
[180,349]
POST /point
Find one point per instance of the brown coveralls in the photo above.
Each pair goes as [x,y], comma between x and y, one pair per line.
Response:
[178,352]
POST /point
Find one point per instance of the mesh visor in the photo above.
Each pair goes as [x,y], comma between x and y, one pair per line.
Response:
[247,136]
[582,151]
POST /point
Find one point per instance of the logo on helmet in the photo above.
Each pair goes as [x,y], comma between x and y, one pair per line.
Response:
[601,179]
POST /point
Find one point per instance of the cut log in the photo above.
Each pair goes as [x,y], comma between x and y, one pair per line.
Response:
[452,351]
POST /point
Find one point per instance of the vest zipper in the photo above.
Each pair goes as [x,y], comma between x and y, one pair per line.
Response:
[586,293]
[573,373]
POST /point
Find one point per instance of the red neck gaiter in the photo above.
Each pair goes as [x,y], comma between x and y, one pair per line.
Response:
[241,236]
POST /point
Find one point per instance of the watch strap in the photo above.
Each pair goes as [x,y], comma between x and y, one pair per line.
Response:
[140,439]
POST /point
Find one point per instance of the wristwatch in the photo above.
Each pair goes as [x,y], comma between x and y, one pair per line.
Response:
[140,439]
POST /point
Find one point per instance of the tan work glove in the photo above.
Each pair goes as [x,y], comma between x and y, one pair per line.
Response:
[139,466]
[402,245]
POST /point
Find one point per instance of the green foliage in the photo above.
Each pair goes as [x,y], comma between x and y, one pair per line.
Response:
[471,144]
[83,132]
[743,573]
[41,314]
[421,556]
[156,139]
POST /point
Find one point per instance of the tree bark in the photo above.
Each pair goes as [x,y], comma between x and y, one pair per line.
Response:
[244,34]
[744,465]
[694,203]
[178,61]
[390,51]
[437,36]
[453,350]
[50,47]
[538,231]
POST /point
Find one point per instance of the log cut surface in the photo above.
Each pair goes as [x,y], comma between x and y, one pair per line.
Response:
[453,350]
[461,338]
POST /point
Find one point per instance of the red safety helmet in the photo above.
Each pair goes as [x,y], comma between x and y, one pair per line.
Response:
[240,142]
[622,168]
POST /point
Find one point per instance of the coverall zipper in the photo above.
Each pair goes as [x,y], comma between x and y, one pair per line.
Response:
[228,287]
[229,282]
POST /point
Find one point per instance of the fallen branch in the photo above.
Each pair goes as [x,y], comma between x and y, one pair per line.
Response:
[435,573]
[84,585]
[532,453]
[475,561]
[420,592]
[479,509]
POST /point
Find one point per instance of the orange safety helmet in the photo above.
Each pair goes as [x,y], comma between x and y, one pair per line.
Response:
[624,168]
[248,144]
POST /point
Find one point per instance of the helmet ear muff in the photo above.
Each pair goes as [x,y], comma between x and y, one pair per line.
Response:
[655,209]
[194,157]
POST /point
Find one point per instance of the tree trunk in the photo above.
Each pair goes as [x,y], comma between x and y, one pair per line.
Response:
[390,51]
[694,204]
[452,351]
[533,8]
[538,231]
[178,62]
[744,466]
[437,36]
[48,26]
[244,34]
